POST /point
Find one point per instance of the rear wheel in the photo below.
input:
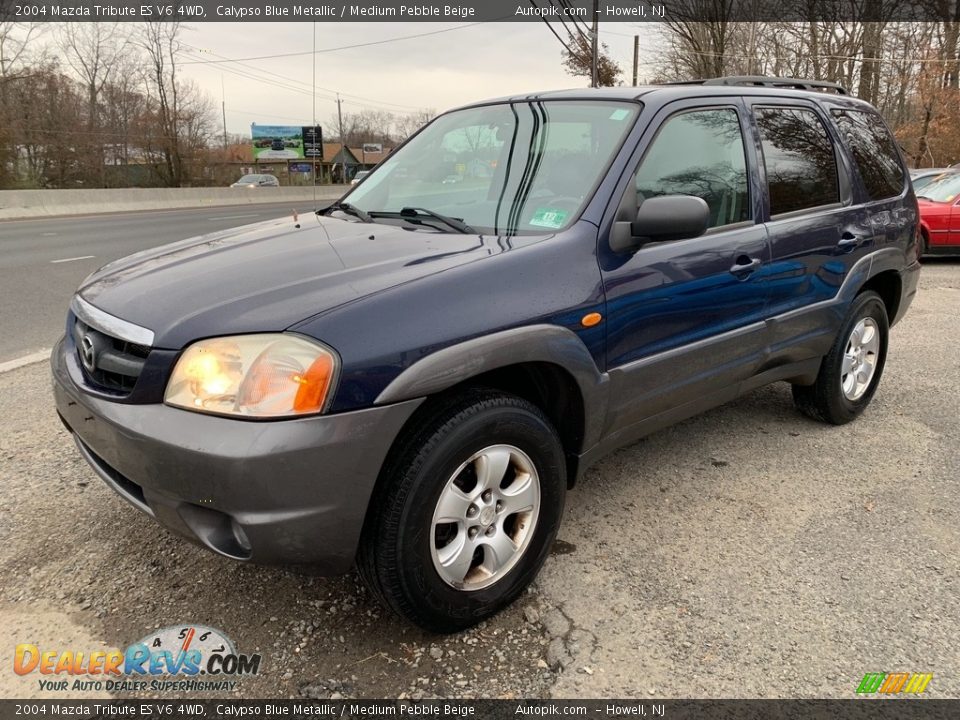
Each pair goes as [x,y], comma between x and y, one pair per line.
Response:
[851,370]
[470,505]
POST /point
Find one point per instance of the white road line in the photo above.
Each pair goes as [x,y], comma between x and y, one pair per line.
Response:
[50,234]
[82,257]
[233,217]
[39,356]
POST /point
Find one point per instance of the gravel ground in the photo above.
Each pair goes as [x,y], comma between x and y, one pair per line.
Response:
[749,552]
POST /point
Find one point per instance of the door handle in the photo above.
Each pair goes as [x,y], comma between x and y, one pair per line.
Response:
[848,241]
[745,264]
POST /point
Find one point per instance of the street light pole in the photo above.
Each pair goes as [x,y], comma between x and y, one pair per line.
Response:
[594,47]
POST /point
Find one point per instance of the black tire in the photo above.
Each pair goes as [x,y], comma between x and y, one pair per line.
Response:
[825,400]
[395,558]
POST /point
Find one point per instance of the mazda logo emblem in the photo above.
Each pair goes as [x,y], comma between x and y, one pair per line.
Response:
[88,354]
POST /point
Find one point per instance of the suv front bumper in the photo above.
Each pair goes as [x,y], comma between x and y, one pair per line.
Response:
[286,491]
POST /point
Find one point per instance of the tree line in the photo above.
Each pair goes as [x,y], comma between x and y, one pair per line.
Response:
[908,70]
[108,105]
[80,101]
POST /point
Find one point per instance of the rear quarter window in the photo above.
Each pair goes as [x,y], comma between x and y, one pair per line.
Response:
[874,151]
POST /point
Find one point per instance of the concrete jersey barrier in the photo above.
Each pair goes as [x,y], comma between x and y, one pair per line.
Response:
[15,204]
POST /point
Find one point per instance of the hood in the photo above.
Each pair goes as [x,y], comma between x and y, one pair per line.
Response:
[268,276]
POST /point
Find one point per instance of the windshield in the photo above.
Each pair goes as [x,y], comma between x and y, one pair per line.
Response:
[944,189]
[249,179]
[502,169]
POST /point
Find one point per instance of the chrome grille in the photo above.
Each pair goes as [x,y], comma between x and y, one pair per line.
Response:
[110,357]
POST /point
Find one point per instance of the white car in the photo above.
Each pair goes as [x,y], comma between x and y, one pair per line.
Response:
[359,176]
[257,180]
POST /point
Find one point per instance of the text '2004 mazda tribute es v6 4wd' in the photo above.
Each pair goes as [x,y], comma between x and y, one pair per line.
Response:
[412,379]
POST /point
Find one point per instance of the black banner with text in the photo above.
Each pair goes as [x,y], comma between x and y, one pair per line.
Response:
[632,11]
[437,709]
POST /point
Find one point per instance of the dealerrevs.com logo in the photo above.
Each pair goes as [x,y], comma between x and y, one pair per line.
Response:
[182,658]
[894,683]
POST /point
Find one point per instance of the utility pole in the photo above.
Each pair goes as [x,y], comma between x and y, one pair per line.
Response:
[594,46]
[223,107]
[636,57]
[343,140]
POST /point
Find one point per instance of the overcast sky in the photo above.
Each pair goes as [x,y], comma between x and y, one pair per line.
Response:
[438,71]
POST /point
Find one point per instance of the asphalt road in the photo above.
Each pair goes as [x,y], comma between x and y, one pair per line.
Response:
[43,260]
[749,552]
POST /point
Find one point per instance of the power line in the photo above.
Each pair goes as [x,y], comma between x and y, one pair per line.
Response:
[336,49]
[286,84]
[288,80]
[554,3]
[550,27]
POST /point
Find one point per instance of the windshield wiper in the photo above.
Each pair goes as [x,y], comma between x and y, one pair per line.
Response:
[418,214]
[349,210]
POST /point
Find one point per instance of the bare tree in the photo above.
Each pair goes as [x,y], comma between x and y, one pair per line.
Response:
[366,126]
[18,56]
[406,125]
[161,43]
[94,51]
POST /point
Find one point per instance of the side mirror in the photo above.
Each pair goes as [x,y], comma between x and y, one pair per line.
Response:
[659,219]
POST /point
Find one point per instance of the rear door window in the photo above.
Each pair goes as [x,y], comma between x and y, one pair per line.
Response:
[799,158]
[874,151]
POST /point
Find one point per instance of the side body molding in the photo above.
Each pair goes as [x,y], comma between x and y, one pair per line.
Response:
[532,343]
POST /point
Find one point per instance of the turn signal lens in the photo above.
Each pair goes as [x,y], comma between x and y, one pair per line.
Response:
[314,385]
[256,376]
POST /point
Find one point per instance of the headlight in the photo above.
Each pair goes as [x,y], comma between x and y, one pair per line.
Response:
[256,376]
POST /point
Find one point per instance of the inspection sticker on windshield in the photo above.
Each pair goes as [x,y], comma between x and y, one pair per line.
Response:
[619,114]
[549,218]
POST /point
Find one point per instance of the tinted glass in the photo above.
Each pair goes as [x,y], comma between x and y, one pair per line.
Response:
[944,189]
[525,167]
[699,153]
[799,159]
[874,151]
[919,183]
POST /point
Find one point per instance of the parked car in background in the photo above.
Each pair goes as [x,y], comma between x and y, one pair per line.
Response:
[924,176]
[361,174]
[256,180]
[940,215]
[414,382]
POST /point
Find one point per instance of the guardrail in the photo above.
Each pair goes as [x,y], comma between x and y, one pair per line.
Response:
[15,204]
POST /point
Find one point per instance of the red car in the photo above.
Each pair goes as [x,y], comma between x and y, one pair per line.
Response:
[940,216]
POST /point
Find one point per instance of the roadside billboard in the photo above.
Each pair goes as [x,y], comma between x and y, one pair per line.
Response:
[277,142]
[312,142]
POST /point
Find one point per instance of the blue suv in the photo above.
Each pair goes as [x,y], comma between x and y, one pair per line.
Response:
[411,379]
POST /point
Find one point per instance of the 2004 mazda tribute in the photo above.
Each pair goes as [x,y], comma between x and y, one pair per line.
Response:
[411,380]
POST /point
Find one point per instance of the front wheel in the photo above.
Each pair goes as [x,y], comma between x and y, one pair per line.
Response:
[851,370]
[469,508]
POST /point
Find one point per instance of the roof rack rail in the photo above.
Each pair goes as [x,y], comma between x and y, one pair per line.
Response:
[763,81]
